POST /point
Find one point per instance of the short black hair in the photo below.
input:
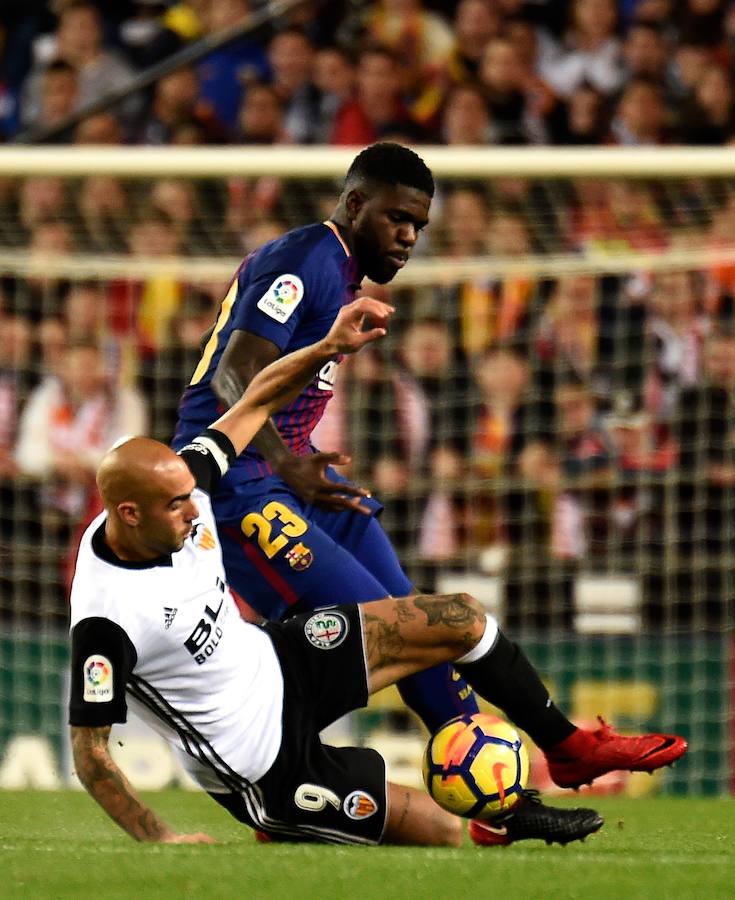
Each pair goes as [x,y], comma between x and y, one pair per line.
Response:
[390,163]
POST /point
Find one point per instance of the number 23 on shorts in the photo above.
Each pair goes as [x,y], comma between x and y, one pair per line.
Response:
[259,524]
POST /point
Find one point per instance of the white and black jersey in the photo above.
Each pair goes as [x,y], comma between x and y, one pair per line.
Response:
[243,705]
[166,637]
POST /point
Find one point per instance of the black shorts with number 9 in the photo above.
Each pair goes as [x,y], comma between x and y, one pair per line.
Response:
[314,791]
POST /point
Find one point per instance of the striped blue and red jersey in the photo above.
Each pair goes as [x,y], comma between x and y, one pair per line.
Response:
[289,292]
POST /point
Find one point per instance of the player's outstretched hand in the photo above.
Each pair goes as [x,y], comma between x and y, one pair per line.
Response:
[307,475]
[198,838]
[347,335]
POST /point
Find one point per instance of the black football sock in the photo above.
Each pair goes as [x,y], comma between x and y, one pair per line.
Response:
[505,677]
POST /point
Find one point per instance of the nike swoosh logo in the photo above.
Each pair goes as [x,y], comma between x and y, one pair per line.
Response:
[498,776]
[664,745]
[502,831]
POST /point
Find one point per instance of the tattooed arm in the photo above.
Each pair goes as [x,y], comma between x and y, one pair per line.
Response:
[110,788]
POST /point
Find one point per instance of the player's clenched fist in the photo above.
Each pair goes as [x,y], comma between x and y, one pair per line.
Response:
[347,335]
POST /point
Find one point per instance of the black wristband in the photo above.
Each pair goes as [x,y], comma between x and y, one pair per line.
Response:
[223,442]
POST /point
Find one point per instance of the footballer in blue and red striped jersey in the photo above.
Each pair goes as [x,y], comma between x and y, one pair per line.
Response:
[292,536]
[288,292]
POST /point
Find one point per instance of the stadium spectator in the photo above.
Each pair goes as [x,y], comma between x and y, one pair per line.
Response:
[52,339]
[223,73]
[465,223]
[439,375]
[79,42]
[291,58]
[710,116]
[178,199]
[446,528]
[504,81]
[688,61]
[466,118]
[104,211]
[567,333]
[705,573]
[640,119]
[564,82]
[176,103]
[616,214]
[589,53]
[382,422]
[703,18]
[645,52]
[537,592]
[163,372]
[524,37]
[41,199]
[85,313]
[334,78]
[677,329]
[377,107]
[582,509]
[261,119]
[251,205]
[637,527]
[502,376]
[99,129]
[157,297]
[485,310]
[59,90]
[68,424]
[42,294]
[475,23]
[582,119]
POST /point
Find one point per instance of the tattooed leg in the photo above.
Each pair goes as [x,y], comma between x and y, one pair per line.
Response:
[408,634]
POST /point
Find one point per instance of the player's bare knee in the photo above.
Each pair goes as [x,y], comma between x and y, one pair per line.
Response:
[463,616]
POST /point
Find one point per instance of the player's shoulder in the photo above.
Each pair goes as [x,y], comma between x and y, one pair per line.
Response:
[98,588]
[301,251]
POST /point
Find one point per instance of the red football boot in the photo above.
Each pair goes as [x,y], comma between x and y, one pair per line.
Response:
[585,755]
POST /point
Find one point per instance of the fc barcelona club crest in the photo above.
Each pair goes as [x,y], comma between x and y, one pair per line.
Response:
[300,557]
[327,629]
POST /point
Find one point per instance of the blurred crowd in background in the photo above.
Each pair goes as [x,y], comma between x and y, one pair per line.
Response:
[638,72]
[532,427]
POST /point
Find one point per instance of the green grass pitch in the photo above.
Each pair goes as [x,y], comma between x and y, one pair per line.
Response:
[62,846]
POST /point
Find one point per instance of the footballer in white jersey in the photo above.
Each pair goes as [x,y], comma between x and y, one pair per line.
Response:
[168,634]
[242,704]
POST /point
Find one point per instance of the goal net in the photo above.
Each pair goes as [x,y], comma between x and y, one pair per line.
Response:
[550,423]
